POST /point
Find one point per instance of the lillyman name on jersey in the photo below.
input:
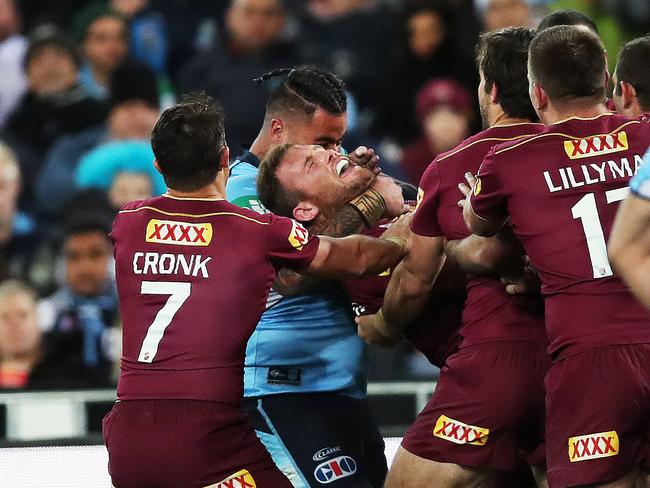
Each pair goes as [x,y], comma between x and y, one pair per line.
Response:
[592,173]
[170,264]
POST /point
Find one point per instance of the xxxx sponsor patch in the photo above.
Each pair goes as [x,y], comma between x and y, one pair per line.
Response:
[596,145]
[593,446]
[241,479]
[178,233]
[298,236]
[460,433]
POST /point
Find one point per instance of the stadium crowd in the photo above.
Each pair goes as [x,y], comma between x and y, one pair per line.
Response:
[311,98]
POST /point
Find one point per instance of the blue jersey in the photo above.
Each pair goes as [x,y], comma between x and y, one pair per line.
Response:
[302,344]
[640,184]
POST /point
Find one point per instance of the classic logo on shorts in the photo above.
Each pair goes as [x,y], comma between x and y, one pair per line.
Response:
[335,469]
[178,233]
[593,446]
[298,236]
[595,145]
[241,479]
[459,432]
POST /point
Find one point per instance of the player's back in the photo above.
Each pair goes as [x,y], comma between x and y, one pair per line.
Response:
[489,313]
[563,188]
[193,276]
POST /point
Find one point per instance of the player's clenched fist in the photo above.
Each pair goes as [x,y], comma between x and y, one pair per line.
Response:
[374,330]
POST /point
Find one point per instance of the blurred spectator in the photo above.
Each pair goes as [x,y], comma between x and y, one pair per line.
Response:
[424,52]
[12,51]
[444,110]
[104,36]
[253,43]
[134,112]
[350,38]
[55,104]
[506,13]
[80,317]
[125,169]
[20,334]
[19,236]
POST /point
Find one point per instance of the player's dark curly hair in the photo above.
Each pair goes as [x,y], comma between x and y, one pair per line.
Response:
[567,17]
[188,141]
[632,67]
[502,57]
[305,89]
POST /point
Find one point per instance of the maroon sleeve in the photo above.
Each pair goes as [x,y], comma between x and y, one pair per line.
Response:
[425,220]
[488,200]
[289,243]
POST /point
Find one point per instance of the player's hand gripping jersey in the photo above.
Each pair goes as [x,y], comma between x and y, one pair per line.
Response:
[193,277]
[561,189]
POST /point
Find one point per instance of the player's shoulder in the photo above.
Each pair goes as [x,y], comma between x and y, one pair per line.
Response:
[482,141]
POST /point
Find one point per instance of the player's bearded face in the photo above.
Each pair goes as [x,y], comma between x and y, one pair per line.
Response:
[325,177]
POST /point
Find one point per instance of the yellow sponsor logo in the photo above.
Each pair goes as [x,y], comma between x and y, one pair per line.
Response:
[593,446]
[298,236]
[178,233]
[241,479]
[419,198]
[459,432]
[596,145]
[385,273]
[477,187]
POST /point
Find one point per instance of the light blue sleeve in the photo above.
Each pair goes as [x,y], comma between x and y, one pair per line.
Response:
[241,188]
[640,184]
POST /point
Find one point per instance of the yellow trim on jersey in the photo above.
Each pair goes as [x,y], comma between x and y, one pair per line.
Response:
[198,216]
[167,195]
[575,117]
[497,139]
[562,134]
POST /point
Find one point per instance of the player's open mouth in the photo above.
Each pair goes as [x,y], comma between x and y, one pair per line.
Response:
[341,167]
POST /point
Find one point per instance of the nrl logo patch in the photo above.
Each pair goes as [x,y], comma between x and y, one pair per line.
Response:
[593,446]
[460,433]
[241,479]
[596,145]
[178,233]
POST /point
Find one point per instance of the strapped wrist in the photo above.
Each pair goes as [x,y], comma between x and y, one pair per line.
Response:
[370,206]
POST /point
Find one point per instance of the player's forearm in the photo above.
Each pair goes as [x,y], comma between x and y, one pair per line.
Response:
[478,225]
[487,255]
[406,297]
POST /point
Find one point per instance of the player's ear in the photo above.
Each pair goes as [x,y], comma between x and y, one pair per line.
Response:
[540,100]
[305,211]
[224,160]
[277,130]
[157,166]
[628,94]
[494,94]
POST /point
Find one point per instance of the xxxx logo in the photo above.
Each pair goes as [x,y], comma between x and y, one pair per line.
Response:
[460,433]
[595,145]
[593,446]
[179,233]
[241,479]
[298,236]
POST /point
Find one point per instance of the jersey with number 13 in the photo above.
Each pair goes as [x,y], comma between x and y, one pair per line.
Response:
[193,277]
[561,189]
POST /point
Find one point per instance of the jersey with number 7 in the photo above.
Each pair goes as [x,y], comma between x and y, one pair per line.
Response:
[193,277]
[561,190]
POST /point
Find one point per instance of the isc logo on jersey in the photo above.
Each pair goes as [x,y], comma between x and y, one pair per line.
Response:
[596,145]
[178,233]
[335,469]
[298,236]
[593,446]
[460,433]
[241,479]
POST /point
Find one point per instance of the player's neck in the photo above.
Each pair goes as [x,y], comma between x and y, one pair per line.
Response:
[554,115]
[261,145]
[504,119]
[214,191]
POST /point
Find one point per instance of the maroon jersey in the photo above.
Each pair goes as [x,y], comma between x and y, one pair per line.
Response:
[193,276]
[435,332]
[490,313]
[561,189]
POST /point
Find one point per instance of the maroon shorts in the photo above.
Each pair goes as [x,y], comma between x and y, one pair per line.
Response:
[185,444]
[487,410]
[598,413]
